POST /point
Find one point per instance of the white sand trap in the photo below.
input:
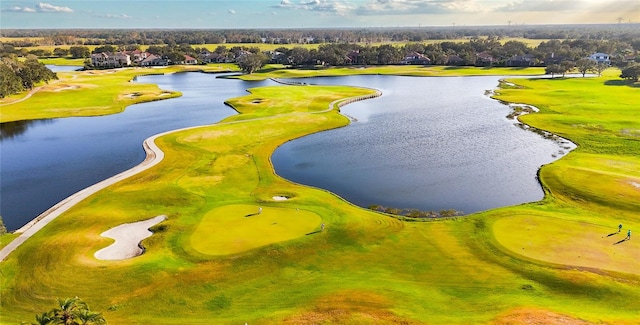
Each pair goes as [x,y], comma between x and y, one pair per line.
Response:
[634,184]
[280,198]
[127,239]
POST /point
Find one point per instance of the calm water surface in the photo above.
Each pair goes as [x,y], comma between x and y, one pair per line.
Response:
[43,162]
[427,143]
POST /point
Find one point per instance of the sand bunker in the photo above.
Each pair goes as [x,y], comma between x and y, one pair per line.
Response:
[127,239]
[280,198]
[634,184]
[67,88]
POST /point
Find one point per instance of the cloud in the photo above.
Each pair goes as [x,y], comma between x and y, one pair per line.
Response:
[46,7]
[385,7]
[542,6]
[322,6]
[115,16]
[409,7]
[231,11]
[19,9]
[40,7]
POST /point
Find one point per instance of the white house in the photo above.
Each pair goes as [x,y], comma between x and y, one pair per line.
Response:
[110,60]
[600,58]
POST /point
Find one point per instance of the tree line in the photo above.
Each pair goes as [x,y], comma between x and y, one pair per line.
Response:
[17,76]
[53,37]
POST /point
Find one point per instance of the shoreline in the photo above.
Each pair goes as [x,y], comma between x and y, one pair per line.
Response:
[153,157]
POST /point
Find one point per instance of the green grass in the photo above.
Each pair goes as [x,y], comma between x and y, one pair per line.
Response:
[365,267]
[279,71]
[238,228]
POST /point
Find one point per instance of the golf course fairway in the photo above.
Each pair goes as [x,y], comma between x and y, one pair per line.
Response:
[545,262]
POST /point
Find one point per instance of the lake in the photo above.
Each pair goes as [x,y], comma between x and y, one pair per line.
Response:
[427,143]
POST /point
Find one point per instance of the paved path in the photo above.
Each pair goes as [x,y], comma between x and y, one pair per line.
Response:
[154,157]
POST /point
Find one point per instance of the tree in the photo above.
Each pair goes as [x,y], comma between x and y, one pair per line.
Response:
[10,83]
[250,63]
[79,52]
[552,69]
[70,311]
[32,71]
[600,66]
[60,52]
[567,66]
[631,73]
[585,65]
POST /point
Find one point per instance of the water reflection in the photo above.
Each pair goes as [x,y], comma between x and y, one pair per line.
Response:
[10,130]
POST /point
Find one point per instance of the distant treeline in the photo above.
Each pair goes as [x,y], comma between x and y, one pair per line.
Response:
[620,32]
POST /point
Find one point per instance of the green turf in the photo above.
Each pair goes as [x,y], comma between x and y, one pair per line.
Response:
[238,228]
[366,268]
[279,71]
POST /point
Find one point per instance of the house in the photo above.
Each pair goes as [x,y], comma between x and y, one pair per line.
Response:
[154,60]
[600,58]
[554,59]
[526,60]
[484,59]
[189,60]
[454,60]
[415,58]
[110,60]
[137,56]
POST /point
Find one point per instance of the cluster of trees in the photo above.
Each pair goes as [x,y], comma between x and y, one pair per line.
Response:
[16,76]
[70,311]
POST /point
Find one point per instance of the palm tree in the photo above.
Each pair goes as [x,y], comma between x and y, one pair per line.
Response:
[67,310]
[44,319]
[87,317]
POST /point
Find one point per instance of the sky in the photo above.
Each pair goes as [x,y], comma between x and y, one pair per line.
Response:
[221,14]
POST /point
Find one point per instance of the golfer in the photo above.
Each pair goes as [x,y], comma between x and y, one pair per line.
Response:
[619,227]
[629,234]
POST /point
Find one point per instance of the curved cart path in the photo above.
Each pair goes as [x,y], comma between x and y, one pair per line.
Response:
[154,157]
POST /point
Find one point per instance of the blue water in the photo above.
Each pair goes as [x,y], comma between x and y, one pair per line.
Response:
[427,143]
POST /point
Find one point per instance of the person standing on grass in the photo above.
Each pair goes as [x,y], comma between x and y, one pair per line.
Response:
[629,234]
[322,227]
[619,227]
[260,210]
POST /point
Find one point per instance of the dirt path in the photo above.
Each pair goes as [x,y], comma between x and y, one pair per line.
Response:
[154,157]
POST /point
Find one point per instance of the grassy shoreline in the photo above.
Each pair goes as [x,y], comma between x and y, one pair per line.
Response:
[366,267]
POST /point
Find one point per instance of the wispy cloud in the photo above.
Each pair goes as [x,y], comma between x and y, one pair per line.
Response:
[385,7]
[543,6]
[322,6]
[409,7]
[40,7]
[115,16]
[19,9]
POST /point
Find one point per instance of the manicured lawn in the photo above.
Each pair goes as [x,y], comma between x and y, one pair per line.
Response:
[279,71]
[365,267]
